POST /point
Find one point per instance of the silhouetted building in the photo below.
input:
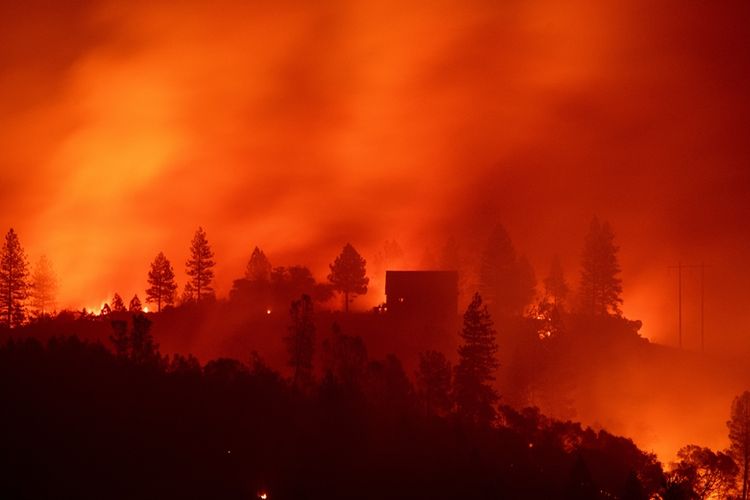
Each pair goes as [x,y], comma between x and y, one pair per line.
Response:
[422,294]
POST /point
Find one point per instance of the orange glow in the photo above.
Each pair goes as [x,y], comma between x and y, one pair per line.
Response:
[298,127]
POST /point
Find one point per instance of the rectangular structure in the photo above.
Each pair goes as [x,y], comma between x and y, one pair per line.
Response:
[422,294]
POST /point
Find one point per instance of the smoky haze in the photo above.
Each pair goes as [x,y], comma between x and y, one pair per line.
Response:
[299,128]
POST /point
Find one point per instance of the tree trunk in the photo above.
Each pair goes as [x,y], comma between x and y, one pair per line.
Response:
[346,302]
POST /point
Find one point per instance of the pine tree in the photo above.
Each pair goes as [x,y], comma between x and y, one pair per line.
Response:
[137,345]
[600,288]
[739,438]
[474,395]
[162,287]
[348,274]
[259,267]
[118,305]
[13,281]
[505,280]
[300,342]
[200,266]
[143,349]
[135,305]
[434,382]
[43,287]
[344,357]
[188,294]
[555,287]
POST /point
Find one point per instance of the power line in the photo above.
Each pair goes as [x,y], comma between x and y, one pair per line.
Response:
[680,266]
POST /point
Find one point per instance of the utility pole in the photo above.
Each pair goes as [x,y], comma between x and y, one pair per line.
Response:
[679,301]
[703,297]
[680,266]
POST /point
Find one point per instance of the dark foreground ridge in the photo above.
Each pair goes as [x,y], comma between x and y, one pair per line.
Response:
[82,422]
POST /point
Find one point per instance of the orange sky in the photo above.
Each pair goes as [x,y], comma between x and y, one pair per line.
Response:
[299,127]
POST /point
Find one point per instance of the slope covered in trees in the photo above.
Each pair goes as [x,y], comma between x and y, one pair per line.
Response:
[242,429]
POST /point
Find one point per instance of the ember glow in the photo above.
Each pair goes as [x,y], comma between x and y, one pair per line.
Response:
[136,124]
[301,126]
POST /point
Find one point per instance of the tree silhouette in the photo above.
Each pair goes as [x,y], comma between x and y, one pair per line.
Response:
[200,266]
[162,287]
[13,280]
[474,395]
[739,438]
[143,349]
[188,294]
[138,345]
[706,473]
[259,267]
[106,310]
[434,382]
[345,357]
[600,289]
[387,387]
[555,287]
[300,342]
[43,287]
[348,274]
[135,305]
[505,281]
[118,305]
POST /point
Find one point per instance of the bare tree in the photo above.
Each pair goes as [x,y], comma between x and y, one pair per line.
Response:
[43,287]
[300,342]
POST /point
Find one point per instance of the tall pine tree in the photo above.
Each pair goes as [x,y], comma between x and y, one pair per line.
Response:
[600,288]
[162,287]
[300,342]
[473,391]
[348,274]
[14,284]
[200,266]
[505,281]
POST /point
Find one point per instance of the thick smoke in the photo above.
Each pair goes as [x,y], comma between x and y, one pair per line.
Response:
[299,127]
